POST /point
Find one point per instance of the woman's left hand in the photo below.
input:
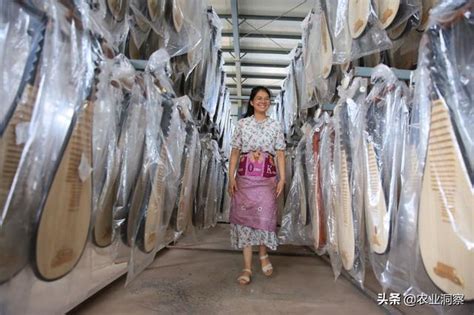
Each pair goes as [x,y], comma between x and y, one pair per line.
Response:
[280,187]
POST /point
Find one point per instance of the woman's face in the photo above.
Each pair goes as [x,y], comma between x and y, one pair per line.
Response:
[261,102]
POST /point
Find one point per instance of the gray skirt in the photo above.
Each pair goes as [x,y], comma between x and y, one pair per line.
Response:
[242,236]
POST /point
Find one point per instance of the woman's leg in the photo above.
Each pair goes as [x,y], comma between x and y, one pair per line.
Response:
[248,257]
[247,251]
[266,265]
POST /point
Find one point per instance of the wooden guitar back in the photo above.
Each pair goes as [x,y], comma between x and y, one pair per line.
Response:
[10,151]
[345,220]
[117,8]
[377,219]
[358,16]
[446,213]
[326,48]
[11,255]
[63,226]
[386,11]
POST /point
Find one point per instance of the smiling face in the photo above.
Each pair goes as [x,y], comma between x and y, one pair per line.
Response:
[261,102]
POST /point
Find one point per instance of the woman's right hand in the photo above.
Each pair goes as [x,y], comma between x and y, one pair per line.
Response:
[232,186]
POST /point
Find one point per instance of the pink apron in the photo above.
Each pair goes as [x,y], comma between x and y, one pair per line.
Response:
[254,203]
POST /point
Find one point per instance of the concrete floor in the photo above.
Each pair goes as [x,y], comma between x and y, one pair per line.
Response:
[200,278]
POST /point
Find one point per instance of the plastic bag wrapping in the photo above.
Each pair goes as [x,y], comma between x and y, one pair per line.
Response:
[205,160]
[219,190]
[64,78]
[290,156]
[349,118]
[387,111]
[440,107]
[406,10]
[181,124]
[320,85]
[18,87]
[299,75]
[178,23]
[211,200]
[15,46]
[184,208]
[214,66]
[201,53]
[110,23]
[404,53]
[226,199]
[205,214]
[290,101]
[139,25]
[329,190]
[131,145]
[160,67]
[295,228]
[316,207]
[109,104]
[345,48]
[149,215]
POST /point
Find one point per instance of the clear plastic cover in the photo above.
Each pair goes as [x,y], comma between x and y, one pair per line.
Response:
[349,120]
[435,208]
[108,106]
[354,36]
[386,118]
[131,146]
[109,19]
[314,185]
[184,208]
[206,210]
[329,191]
[296,228]
[406,9]
[320,79]
[15,43]
[63,83]
[183,25]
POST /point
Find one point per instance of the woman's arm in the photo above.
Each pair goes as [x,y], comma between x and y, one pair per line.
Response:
[234,159]
[281,171]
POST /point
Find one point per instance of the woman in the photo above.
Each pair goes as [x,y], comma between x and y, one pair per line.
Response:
[254,190]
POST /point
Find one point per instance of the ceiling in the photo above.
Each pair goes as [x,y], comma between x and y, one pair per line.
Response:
[267,31]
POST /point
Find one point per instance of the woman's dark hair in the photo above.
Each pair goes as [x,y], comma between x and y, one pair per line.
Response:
[253,93]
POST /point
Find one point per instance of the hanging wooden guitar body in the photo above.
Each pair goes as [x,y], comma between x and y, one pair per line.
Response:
[63,226]
[13,256]
[118,9]
[446,213]
[345,220]
[377,219]
[106,165]
[358,16]
[319,217]
[156,8]
[152,204]
[184,202]
[386,11]
[425,13]
[326,47]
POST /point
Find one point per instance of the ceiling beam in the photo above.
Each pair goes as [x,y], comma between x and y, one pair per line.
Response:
[265,35]
[251,86]
[258,64]
[236,50]
[258,76]
[277,51]
[264,17]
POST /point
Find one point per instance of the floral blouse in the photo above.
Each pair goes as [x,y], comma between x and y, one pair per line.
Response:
[252,135]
